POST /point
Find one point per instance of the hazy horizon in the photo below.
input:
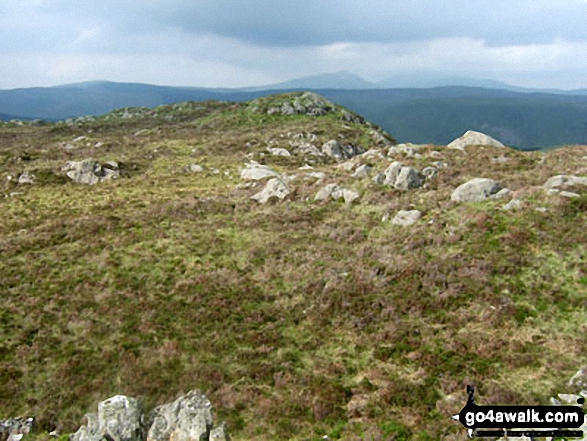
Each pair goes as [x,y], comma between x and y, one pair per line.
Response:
[231,43]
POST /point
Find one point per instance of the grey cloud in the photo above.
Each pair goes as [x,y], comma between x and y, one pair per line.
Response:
[286,23]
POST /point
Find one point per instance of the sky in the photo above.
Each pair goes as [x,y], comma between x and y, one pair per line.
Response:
[236,43]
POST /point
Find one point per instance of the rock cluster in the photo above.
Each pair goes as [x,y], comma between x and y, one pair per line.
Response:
[339,151]
[121,418]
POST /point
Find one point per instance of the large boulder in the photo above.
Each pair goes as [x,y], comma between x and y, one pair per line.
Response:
[474,138]
[400,176]
[476,190]
[189,418]
[90,171]
[119,419]
[565,181]
[275,188]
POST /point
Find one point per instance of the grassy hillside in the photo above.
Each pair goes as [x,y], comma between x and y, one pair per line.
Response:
[297,318]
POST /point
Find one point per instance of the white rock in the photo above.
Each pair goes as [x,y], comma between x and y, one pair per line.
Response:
[279,152]
[474,138]
[255,171]
[275,188]
[405,218]
[362,172]
[476,190]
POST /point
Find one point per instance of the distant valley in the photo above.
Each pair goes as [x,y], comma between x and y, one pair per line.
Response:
[524,119]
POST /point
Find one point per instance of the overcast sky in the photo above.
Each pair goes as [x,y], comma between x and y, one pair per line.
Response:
[230,43]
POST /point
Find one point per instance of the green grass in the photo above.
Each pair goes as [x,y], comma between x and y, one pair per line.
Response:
[284,314]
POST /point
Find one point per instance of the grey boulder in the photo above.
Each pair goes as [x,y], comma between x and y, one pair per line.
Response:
[255,171]
[335,192]
[118,419]
[476,190]
[275,188]
[189,418]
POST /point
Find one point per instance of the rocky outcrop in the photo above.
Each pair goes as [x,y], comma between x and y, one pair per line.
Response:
[474,138]
[275,188]
[307,103]
[121,418]
[90,171]
[476,190]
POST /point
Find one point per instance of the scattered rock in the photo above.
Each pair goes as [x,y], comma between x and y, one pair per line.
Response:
[565,181]
[316,175]
[79,139]
[118,419]
[474,138]
[406,149]
[501,194]
[90,171]
[579,380]
[514,204]
[142,132]
[255,171]
[405,218]
[362,172]
[121,418]
[195,168]
[305,148]
[13,429]
[476,190]
[382,139]
[400,177]
[340,151]
[335,192]
[26,178]
[278,151]
[275,188]
[430,172]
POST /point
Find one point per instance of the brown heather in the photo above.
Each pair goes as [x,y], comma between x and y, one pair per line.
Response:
[297,319]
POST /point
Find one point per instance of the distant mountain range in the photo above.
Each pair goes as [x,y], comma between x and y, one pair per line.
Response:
[522,118]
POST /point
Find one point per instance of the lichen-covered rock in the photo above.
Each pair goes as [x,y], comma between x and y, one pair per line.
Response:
[275,188]
[579,381]
[14,429]
[90,171]
[401,177]
[476,190]
[189,418]
[26,178]
[119,419]
[474,138]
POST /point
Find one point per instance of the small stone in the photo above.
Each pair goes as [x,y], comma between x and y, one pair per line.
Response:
[476,190]
[405,218]
[362,172]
